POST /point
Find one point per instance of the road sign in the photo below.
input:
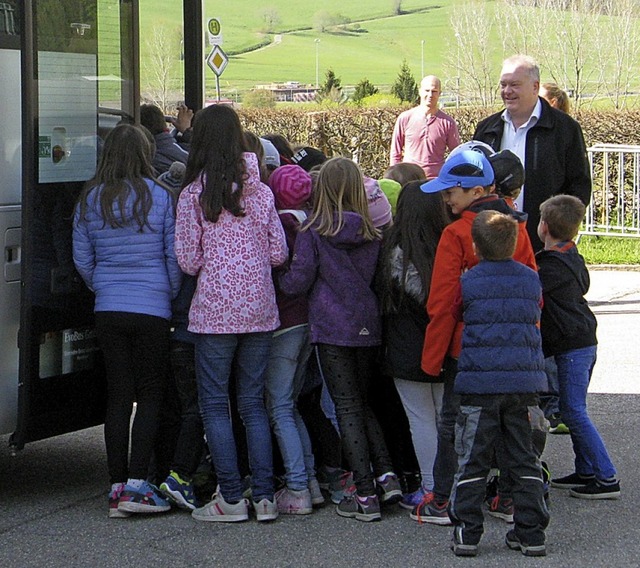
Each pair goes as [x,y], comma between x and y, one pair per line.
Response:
[217,60]
[214,31]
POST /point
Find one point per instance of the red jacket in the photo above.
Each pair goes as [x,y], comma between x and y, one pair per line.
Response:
[454,256]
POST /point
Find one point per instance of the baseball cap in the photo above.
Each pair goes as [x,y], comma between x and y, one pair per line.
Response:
[308,157]
[466,169]
[508,170]
[476,145]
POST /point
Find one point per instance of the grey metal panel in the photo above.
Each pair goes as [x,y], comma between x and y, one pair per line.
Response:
[11,131]
[9,319]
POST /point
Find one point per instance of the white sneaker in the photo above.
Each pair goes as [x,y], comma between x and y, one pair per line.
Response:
[218,510]
[291,502]
[266,510]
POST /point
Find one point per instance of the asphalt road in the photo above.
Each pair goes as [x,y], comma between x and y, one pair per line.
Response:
[53,497]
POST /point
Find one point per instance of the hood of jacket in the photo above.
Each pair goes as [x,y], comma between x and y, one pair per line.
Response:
[493,202]
[350,236]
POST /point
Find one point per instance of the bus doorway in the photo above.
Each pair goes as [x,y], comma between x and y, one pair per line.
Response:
[78,74]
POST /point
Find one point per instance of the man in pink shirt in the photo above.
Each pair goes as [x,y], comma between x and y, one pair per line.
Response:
[423,134]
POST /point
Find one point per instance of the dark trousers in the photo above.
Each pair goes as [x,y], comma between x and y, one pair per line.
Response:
[136,354]
[347,372]
[446,463]
[190,443]
[483,419]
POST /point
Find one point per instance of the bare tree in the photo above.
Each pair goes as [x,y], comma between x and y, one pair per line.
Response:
[163,46]
[271,18]
[396,6]
[471,52]
[619,49]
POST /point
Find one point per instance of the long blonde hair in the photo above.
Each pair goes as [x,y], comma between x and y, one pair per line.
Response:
[340,188]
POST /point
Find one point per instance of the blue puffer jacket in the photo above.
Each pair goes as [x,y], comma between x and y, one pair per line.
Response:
[501,343]
[129,270]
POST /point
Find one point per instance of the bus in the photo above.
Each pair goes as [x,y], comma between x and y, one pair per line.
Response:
[70,72]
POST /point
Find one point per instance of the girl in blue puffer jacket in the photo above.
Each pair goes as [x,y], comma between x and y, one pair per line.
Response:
[123,247]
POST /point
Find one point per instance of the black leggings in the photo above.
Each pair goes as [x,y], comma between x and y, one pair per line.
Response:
[347,372]
[136,355]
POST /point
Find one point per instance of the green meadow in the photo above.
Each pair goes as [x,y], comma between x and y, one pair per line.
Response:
[373,45]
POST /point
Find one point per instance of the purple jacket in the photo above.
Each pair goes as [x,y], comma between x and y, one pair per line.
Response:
[337,273]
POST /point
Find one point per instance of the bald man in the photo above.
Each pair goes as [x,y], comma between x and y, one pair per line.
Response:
[424,133]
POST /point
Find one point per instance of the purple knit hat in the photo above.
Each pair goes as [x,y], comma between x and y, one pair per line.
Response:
[291,186]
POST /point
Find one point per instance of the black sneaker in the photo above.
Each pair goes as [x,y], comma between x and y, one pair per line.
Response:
[512,540]
[573,480]
[596,490]
[461,548]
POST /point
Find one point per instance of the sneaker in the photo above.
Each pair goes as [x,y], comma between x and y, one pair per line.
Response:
[361,508]
[114,497]
[411,500]
[459,547]
[432,510]
[501,508]
[337,482]
[317,499]
[266,510]
[514,543]
[557,426]
[573,480]
[146,499]
[596,490]
[218,510]
[389,489]
[179,491]
[291,502]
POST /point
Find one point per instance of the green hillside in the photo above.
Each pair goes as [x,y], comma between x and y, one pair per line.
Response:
[372,45]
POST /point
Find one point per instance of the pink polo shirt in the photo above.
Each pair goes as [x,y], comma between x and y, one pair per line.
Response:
[423,141]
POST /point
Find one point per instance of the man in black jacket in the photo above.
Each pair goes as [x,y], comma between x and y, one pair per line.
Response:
[549,142]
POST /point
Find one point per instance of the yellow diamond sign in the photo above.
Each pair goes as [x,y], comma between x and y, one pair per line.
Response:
[217,60]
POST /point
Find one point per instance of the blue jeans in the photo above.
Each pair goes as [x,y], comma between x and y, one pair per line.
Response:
[574,375]
[286,372]
[247,355]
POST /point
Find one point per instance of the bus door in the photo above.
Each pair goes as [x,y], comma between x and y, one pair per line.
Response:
[79,78]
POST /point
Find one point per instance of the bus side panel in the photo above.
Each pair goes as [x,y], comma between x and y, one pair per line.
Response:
[10,235]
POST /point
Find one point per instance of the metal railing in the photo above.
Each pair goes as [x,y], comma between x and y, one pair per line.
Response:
[615,204]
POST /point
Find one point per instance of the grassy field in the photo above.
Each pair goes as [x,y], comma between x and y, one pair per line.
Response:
[609,250]
[374,48]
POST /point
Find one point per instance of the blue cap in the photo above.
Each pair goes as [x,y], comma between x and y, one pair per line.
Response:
[464,169]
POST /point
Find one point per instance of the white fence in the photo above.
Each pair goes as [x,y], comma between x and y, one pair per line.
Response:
[615,203]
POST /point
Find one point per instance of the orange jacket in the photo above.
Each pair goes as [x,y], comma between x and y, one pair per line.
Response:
[454,256]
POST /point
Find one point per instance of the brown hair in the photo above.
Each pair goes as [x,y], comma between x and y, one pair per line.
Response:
[404,172]
[556,97]
[495,235]
[563,215]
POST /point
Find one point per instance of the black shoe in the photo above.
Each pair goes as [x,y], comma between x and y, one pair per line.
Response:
[596,490]
[573,480]
[461,548]
[512,540]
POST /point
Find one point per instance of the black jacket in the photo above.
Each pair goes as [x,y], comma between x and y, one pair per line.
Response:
[555,162]
[567,321]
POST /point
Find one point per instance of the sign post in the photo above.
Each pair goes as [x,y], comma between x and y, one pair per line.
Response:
[217,59]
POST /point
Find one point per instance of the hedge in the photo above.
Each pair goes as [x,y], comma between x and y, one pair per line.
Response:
[365,133]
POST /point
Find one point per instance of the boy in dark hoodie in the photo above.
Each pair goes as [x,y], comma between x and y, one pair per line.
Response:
[467,180]
[569,335]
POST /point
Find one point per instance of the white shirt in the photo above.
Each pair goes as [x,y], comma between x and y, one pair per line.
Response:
[515,139]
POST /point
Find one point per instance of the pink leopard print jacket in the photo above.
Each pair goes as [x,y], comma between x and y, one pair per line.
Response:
[232,259]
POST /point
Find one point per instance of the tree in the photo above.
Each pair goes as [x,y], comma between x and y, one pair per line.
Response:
[331,82]
[271,18]
[469,60]
[363,89]
[163,46]
[397,7]
[259,98]
[323,20]
[405,87]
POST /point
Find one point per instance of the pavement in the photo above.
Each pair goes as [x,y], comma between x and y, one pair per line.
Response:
[53,497]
